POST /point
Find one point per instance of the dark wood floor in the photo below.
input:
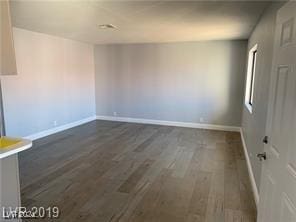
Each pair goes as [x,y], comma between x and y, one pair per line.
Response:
[112,171]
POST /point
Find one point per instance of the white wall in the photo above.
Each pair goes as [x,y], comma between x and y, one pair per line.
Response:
[174,82]
[253,125]
[55,82]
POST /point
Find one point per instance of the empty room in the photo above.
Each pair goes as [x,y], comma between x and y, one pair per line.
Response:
[147,111]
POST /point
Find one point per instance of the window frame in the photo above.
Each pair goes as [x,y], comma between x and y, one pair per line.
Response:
[251,77]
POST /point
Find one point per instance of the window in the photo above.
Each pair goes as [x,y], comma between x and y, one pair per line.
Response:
[251,72]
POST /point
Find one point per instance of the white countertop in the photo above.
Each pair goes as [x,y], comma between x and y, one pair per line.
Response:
[22,145]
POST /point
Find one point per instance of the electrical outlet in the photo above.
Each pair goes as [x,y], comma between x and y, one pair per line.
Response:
[201,119]
[55,123]
[114,113]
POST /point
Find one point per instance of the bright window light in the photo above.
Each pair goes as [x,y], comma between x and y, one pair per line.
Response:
[251,73]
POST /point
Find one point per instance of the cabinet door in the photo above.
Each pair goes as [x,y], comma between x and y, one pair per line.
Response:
[7,59]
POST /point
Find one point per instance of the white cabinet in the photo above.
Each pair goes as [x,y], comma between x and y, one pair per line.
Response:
[9,185]
[7,53]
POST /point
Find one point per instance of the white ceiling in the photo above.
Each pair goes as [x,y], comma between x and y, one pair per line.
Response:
[139,21]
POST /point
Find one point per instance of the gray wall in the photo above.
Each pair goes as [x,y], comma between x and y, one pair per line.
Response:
[253,125]
[55,82]
[174,81]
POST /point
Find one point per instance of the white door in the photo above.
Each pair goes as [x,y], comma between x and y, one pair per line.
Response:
[278,184]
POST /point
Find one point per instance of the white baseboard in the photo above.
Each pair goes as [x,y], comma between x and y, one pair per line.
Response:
[59,128]
[250,170]
[170,123]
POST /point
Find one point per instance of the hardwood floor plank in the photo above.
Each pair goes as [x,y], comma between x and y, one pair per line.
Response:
[145,208]
[182,162]
[246,193]
[161,131]
[232,190]
[199,199]
[133,201]
[126,172]
[216,207]
[194,218]
[238,216]
[134,178]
